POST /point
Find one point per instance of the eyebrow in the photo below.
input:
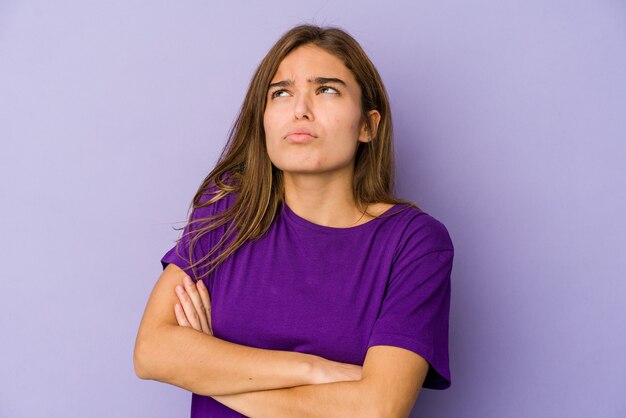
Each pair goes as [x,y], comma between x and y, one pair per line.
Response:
[316,80]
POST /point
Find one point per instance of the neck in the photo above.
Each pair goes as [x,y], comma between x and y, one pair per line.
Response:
[323,198]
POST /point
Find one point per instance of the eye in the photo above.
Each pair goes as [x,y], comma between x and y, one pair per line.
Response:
[274,94]
[328,87]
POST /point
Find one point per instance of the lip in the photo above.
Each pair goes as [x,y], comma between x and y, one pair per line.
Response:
[300,134]
[299,137]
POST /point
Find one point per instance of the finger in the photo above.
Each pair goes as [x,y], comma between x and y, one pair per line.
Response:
[180,316]
[190,311]
[192,291]
[206,301]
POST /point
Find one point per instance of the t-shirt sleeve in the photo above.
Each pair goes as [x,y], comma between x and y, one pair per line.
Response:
[415,309]
[179,253]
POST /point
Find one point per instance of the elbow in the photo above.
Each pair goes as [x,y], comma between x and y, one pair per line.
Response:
[390,410]
[141,361]
[386,411]
[384,407]
[379,412]
[140,370]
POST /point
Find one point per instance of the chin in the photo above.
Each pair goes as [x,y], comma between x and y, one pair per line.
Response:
[301,170]
[291,163]
[308,169]
[309,166]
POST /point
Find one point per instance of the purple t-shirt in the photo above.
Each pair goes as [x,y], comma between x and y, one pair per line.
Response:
[332,292]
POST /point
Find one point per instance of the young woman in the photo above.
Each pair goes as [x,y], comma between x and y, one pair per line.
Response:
[301,286]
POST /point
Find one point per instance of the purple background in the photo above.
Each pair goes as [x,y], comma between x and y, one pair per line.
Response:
[510,122]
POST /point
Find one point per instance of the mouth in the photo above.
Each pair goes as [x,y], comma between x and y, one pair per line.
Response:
[299,138]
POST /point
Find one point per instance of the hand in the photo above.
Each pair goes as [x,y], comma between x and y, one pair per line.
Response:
[194,309]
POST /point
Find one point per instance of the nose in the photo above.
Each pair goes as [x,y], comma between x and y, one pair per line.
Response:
[302,107]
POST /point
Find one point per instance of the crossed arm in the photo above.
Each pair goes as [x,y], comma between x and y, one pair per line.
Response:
[381,396]
[261,383]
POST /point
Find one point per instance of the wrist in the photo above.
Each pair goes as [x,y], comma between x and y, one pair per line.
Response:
[315,370]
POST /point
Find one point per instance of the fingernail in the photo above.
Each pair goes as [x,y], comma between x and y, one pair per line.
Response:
[187,280]
[200,283]
[179,289]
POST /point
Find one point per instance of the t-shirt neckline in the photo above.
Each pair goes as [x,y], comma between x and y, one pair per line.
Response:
[292,216]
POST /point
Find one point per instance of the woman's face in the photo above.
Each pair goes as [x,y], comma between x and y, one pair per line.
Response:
[301,98]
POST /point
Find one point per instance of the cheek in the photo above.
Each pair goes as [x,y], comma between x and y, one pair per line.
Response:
[347,122]
[272,139]
[273,126]
[267,122]
[270,132]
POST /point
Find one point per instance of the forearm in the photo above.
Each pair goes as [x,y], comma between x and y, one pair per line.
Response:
[206,365]
[339,399]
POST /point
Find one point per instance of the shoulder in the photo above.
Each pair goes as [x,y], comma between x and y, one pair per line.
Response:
[421,233]
[211,200]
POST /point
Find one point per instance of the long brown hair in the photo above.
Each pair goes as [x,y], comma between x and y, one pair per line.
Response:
[244,166]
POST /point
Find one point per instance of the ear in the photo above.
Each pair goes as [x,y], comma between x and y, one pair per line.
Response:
[365,135]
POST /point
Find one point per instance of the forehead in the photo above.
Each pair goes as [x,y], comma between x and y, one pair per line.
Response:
[312,61]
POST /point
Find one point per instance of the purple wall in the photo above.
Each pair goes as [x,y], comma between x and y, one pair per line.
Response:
[510,125]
